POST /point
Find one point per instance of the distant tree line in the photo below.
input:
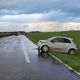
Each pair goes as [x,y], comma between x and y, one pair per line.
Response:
[3,34]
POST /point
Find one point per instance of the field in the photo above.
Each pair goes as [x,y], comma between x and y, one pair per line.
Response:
[71,60]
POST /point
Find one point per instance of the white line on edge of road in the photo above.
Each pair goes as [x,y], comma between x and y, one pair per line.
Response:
[27,60]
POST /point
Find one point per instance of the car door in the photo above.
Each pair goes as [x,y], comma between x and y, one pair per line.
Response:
[58,45]
[67,44]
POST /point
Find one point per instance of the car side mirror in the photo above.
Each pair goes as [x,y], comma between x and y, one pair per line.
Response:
[52,41]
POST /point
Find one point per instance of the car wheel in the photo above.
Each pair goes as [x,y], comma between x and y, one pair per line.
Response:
[45,49]
[71,51]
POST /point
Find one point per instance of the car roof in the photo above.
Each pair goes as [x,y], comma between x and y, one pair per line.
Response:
[60,37]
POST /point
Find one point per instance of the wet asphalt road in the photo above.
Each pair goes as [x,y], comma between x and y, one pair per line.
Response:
[19,60]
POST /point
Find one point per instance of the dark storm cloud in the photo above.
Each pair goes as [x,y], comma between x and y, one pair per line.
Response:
[35,6]
[54,10]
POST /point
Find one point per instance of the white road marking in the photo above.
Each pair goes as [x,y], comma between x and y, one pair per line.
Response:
[27,60]
[30,45]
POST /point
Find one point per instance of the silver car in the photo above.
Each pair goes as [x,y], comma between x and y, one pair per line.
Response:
[58,44]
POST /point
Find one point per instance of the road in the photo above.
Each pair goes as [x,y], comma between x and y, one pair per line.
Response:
[19,60]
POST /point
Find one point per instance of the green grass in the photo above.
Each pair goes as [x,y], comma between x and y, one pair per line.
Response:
[71,60]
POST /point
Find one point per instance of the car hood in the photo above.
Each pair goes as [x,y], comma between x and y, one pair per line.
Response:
[42,41]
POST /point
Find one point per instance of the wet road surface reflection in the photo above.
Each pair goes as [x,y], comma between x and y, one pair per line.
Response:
[15,54]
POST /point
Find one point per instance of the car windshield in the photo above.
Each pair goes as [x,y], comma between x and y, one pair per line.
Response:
[51,38]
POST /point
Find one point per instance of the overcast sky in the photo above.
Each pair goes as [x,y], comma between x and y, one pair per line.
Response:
[58,12]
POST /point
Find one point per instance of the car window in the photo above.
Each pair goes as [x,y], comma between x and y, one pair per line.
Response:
[67,41]
[61,40]
[54,40]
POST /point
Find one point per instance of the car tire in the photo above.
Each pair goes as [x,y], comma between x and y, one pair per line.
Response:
[72,51]
[45,49]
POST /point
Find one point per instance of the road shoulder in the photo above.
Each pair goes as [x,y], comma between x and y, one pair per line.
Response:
[70,68]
